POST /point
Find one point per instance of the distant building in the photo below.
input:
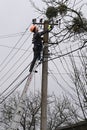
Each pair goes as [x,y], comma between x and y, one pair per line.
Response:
[78,126]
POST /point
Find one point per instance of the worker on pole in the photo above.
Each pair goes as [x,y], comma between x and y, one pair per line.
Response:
[37,42]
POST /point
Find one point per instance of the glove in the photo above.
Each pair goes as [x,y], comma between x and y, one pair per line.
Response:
[50,27]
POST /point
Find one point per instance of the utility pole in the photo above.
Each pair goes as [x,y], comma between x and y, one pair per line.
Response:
[44,81]
[43,125]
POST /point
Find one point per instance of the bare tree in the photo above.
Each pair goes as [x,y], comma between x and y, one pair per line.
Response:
[70,37]
[80,80]
[60,112]
[7,110]
[31,116]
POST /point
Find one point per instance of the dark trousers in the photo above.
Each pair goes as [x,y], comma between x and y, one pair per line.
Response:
[37,55]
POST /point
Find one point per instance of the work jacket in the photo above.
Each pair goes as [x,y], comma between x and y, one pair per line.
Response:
[37,39]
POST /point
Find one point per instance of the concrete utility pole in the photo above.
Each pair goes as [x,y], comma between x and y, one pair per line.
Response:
[43,125]
[44,81]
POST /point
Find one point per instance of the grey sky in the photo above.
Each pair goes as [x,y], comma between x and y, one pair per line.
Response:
[15,17]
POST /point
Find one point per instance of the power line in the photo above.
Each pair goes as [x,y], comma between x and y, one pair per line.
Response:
[63,77]
[13,55]
[13,47]
[62,55]
[14,64]
[11,35]
[14,71]
[16,86]
[65,62]
[23,33]
[14,89]
[62,87]
[14,80]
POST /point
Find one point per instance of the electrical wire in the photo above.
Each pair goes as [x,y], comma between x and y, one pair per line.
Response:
[14,55]
[16,51]
[63,77]
[65,63]
[68,53]
[16,86]
[11,35]
[14,71]
[13,47]
[15,80]
[62,87]
[15,62]
[14,89]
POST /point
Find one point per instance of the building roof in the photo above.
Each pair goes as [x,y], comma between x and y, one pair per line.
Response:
[78,126]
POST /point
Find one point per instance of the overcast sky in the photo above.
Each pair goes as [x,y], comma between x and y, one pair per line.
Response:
[15,17]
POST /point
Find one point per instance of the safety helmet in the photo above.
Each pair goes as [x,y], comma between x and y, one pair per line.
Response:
[33,28]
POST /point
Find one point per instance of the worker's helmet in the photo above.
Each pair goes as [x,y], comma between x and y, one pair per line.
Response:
[33,28]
